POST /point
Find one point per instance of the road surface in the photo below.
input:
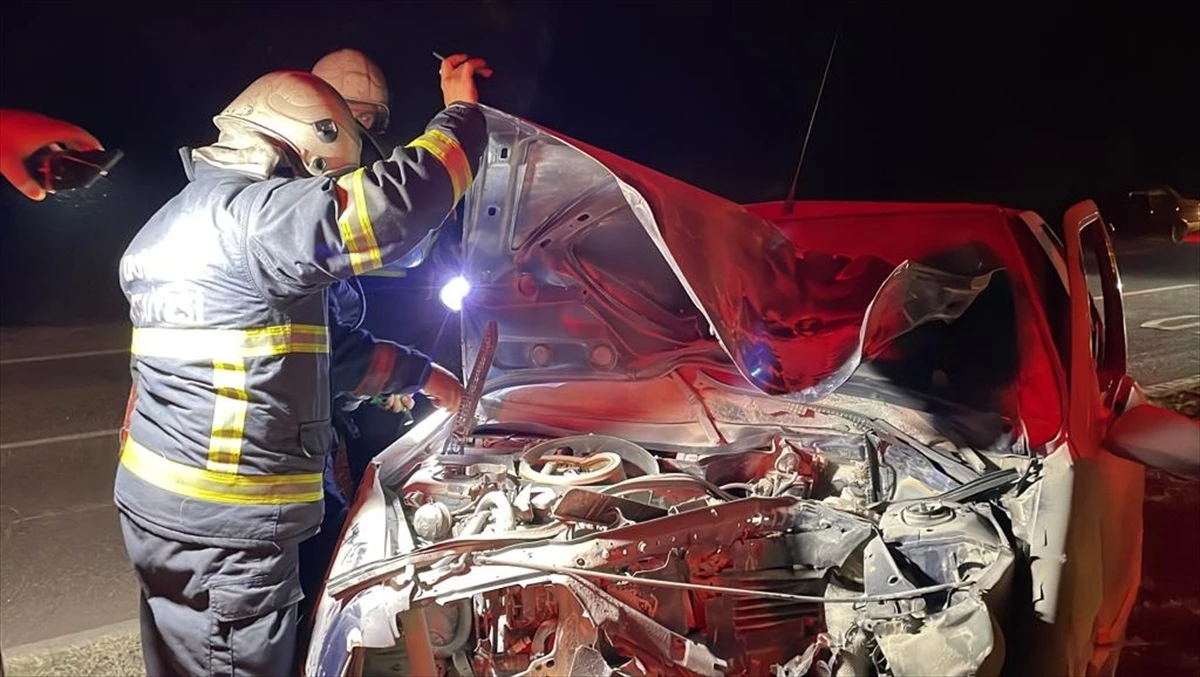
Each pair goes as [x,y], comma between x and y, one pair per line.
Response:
[1162,309]
[63,392]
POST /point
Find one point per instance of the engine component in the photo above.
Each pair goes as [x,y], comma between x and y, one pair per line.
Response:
[449,628]
[673,489]
[458,481]
[783,469]
[621,459]
[581,505]
[432,521]
[559,469]
[590,555]
[635,634]
[502,514]
[949,542]
[944,543]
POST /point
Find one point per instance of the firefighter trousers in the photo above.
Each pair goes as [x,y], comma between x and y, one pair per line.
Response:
[215,610]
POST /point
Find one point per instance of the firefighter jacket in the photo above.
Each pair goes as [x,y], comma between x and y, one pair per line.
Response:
[347,303]
[363,367]
[227,285]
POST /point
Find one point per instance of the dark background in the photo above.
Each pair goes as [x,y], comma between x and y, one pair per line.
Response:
[1032,106]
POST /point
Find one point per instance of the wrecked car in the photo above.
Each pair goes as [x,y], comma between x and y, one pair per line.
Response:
[710,439]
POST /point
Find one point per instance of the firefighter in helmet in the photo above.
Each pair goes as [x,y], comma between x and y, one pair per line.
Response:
[360,83]
[365,431]
[229,421]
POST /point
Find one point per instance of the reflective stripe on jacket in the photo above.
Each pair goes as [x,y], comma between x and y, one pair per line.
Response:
[227,288]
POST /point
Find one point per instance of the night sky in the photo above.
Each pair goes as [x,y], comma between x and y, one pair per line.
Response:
[1028,106]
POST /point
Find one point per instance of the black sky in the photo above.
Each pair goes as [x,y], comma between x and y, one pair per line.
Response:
[1026,105]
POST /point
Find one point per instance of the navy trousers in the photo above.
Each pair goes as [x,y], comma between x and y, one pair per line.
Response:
[215,609]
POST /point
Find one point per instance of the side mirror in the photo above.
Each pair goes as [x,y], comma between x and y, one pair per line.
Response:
[1158,438]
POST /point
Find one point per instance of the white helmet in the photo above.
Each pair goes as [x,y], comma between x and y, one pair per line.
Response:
[301,111]
[360,81]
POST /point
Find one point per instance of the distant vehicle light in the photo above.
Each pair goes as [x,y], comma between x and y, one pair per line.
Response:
[454,291]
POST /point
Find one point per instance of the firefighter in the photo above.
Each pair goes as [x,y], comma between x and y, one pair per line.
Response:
[228,426]
[360,83]
[363,431]
[22,133]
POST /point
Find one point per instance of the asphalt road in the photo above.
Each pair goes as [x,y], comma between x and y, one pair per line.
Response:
[63,391]
[1161,288]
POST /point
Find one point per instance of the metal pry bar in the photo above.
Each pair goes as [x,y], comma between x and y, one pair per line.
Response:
[464,418]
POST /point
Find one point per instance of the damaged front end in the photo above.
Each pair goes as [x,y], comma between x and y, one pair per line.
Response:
[652,487]
[591,555]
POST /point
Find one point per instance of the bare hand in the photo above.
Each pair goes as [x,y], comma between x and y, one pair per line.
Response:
[458,78]
[22,133]
[443,389]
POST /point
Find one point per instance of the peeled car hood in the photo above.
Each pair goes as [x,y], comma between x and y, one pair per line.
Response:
[595,267]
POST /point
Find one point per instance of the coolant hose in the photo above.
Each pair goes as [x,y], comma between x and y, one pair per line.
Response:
[504,516]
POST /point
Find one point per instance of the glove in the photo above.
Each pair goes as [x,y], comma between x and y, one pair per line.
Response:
[22,133]
[397,404]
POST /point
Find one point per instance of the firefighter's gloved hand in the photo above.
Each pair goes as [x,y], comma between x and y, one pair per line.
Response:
[22,133]
[442,388]
[398,403]
[458,78]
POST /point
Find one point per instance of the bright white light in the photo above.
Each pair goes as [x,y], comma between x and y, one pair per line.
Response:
[454,291]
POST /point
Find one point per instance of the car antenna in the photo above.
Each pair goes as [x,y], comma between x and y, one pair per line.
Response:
[790,202]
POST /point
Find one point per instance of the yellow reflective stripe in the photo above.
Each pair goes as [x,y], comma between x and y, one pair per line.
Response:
[227,349]
[219,487]
[354,223]
[447,151]
[230,345]
[229,417]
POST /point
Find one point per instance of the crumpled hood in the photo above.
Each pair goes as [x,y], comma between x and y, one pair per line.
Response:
[595,267]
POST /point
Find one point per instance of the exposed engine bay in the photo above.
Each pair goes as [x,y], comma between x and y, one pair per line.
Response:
[846,549]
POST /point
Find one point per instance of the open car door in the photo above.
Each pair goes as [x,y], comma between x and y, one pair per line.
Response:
[1105,535]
